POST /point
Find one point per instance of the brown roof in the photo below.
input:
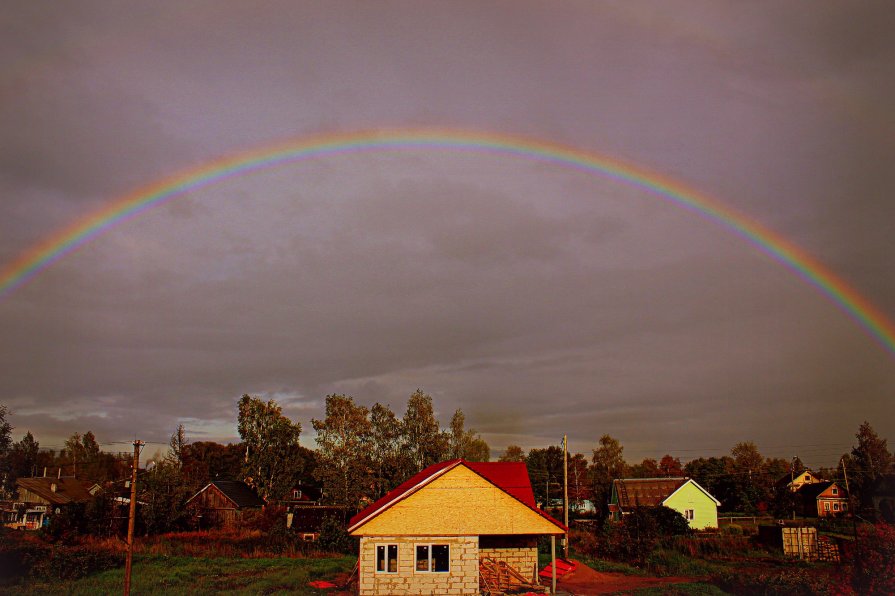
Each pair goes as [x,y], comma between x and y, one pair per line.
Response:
[645,492]
[68,490]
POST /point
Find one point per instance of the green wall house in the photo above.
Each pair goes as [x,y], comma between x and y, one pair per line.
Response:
[684,495]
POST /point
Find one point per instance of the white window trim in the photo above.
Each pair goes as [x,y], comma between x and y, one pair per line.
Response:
[431,557]
[376,558]
[689,514]
[826,505]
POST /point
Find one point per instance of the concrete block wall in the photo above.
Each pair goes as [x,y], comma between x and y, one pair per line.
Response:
[462,579]
[523,559]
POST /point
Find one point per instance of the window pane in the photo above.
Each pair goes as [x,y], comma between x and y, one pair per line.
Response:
[380,558]
[441,558]
[422,558]
[392,558]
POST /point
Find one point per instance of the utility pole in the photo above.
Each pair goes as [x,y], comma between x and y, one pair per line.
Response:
[132,517]
[565,493]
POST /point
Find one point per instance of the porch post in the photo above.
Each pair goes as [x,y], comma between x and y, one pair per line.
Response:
[553,564]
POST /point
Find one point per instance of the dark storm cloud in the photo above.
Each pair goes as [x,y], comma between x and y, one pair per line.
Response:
[539,299]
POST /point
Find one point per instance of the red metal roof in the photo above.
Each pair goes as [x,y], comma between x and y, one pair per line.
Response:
[511,477]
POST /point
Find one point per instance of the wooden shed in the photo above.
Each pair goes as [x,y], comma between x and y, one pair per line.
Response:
[222,502]
[431,534]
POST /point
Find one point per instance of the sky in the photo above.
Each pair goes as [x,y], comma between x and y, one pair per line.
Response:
[541,299]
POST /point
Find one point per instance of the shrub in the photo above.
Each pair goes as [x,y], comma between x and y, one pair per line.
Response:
[872,560]
[734,529]
[799,581]
[334,536]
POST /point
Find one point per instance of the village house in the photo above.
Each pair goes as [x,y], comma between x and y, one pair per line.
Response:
[684,495]
[822,499]
[430,534]
[222,502]
[45,495]
[796,481]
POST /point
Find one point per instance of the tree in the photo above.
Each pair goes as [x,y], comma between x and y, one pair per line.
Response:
[579,487]
[512,453]
[466,444]
[670,467]
[72,452]
[343,448]
[177,447]
[5,431]
[748,481]
[648,468]
[391,465]
[270,440]
[6,479]
[207,460]
[870,459]
[714,474]
[423,440]
[607,464]
[545,471]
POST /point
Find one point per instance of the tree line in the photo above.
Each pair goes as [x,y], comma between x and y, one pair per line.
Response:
[362,453]
[744,481]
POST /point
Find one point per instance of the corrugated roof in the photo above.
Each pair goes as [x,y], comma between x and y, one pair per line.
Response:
[68,490]
[645,492]
[239,492]
[511,477]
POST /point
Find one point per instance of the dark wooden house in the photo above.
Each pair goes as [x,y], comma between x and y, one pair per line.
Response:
[222,502]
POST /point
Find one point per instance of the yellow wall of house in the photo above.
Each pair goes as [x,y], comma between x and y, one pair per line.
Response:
[705,511]
[458,503]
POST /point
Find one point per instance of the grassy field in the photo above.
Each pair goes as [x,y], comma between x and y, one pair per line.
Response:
[156,574]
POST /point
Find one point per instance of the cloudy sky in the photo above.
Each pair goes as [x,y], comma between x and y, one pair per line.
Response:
[538,298]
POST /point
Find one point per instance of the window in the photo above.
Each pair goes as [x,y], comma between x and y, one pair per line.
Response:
[689,514]
[386,558]
[844,506]
[835,491]
[433,557]
[826,506]
[835,506]
[296,494]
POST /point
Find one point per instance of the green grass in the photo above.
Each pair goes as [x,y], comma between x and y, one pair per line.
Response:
[156,574]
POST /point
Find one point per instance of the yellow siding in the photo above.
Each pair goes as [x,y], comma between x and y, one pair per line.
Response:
[705,512]
[459,503]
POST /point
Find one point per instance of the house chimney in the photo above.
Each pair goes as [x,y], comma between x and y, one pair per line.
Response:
[45,471]
[59,473]
[53,487]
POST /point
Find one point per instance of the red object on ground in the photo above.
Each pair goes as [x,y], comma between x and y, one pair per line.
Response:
[562,568]
[322,584]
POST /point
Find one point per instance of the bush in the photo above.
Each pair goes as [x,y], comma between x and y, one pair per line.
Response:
[334,536]
[734,530]
[872,560]
[788,582]
[24,556]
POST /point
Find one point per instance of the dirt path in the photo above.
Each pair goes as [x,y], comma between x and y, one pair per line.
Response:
[584,581]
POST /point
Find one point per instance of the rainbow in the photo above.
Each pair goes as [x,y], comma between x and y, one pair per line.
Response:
[65,241]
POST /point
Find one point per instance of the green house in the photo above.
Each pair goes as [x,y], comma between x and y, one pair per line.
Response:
[684,495]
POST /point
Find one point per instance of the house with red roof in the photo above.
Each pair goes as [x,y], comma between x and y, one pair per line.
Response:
[429,534]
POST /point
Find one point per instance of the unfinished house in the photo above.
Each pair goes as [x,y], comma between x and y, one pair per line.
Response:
[432,533]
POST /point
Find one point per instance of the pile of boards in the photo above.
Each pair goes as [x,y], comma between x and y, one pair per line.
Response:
[497,577]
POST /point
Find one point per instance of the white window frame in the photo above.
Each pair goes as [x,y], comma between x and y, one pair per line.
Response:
[431,566]
[835,491]
[689,514]
[385,570]
[826,505]
[835,506]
